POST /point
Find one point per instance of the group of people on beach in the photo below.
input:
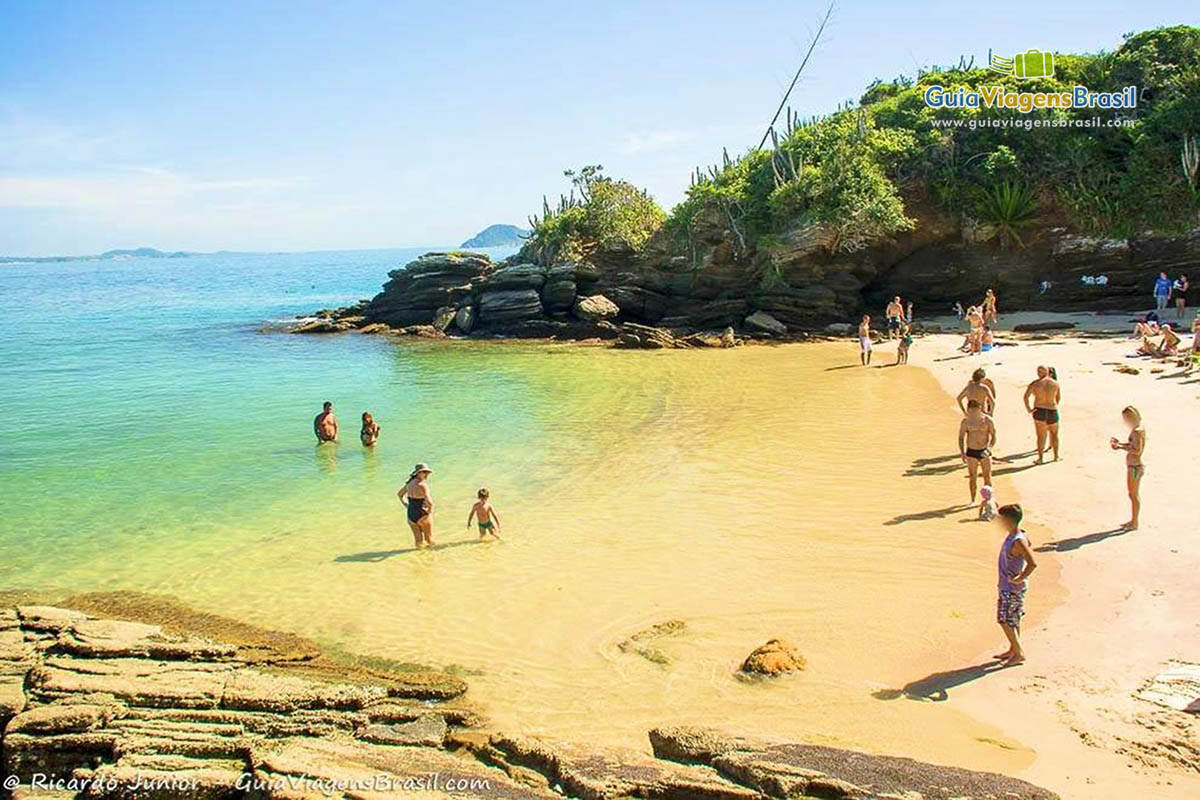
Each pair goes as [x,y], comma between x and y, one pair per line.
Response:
[899,317]
[982,320]
[1166,290]
[415,495]
[1150,328]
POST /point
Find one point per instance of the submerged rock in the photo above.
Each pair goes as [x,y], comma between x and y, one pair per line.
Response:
[773,658]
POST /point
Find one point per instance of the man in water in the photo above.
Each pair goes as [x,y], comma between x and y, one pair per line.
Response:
[980,389]
[325,425]
[895,315]
[976,437]
[1045,396]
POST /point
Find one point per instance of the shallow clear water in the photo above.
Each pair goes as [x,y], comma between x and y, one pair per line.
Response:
[155,440]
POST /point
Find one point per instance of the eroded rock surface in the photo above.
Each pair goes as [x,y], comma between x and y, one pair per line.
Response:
[139,709]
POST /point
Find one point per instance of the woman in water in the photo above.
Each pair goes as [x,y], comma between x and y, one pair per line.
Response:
[369,434]
[1134,446]
[416,497]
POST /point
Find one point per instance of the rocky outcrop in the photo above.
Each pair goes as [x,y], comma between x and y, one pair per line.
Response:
[130,709]
[802,770]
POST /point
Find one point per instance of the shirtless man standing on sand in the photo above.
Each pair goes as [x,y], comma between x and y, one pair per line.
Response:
[894,313]
[976,438]
[1046,395]
[980,389]
[325,426]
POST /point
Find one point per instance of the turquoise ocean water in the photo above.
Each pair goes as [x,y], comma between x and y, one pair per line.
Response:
[147,410]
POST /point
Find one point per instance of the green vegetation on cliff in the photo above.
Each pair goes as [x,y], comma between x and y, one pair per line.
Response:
[858,175]
[607,213]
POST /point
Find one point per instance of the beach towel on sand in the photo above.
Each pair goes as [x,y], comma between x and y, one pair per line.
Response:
[1178,687]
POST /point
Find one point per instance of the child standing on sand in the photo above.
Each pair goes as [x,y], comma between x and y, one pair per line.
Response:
[489,520]
[1014,565]
[906,341]
[1134,446]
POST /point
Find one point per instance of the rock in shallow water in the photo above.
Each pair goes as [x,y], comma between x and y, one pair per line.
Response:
[776,657]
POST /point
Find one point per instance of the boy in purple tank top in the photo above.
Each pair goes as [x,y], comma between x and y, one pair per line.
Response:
[1014,566]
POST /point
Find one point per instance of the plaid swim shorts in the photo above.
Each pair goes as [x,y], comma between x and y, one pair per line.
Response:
[1010,607]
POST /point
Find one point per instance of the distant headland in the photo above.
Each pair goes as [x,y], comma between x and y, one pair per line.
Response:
[108,255]
[498,236]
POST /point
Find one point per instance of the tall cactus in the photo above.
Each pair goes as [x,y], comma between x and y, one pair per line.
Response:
[1190,156]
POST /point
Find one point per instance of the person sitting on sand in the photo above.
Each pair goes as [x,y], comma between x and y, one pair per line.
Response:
[864,340]
[489,520]
[325,425]
[417,498]
[987,339]
[981,389]
[1169,346]
[369,434]
[1144,328]
[906,340]
[1133,446]
[987,503]
[1014,565]
[976,437]
[1045,395]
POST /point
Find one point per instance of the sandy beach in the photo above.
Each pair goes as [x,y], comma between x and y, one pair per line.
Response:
[1108,609]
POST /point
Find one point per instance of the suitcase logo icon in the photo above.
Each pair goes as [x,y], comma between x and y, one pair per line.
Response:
[1030,64]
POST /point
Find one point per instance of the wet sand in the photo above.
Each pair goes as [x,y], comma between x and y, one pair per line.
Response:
[1129,600]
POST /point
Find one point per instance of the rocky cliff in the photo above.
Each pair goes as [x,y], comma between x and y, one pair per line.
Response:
[92,707]
[788,283]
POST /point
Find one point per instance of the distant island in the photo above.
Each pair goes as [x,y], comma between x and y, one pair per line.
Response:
[108,255]
[498,236]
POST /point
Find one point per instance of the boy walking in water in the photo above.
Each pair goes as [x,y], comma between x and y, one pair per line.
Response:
[489,520]
[1014,565]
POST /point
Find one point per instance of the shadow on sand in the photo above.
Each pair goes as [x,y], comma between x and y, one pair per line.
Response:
[383,555]
[936,513]
[1064,545]
[936,687]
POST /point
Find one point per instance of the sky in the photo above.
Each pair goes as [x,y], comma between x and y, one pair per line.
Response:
[292,125]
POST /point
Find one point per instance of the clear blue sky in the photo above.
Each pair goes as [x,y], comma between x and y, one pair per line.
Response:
[294,125]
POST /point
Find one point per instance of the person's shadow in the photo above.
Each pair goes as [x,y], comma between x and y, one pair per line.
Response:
[1064,545]
[937,686]
[372,556]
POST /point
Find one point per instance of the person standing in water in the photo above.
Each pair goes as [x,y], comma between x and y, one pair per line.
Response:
[1045,395]
[369,434]
[417,498]
[976,438]
[981,389]
[325,425]
[864,340]
[1133,446]
[1015,563]
[488,519]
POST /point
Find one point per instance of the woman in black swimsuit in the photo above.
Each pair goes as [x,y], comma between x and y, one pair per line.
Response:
[416,497]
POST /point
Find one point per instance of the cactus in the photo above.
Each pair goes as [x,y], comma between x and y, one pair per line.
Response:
[1190,157]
